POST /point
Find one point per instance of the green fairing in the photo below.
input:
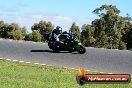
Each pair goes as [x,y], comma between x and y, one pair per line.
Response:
[72,44]
[78,43]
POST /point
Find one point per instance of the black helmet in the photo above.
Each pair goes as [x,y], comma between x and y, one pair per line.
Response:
[65,32]
[58,30]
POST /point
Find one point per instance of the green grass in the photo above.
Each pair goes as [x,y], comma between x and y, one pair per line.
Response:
[22,75]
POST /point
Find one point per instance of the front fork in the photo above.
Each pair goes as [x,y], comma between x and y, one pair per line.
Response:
[77,46]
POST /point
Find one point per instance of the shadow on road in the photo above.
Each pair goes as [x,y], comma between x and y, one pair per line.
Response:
[50,51]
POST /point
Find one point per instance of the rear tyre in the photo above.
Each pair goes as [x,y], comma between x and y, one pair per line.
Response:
[81,50]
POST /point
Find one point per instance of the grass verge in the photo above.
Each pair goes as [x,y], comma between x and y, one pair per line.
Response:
[22,75]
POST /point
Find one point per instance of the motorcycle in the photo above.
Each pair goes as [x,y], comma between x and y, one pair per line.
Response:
[68,42]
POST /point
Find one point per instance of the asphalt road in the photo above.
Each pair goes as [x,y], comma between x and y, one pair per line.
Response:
[104,60]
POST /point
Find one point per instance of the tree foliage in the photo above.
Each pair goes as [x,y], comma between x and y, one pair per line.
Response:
[16,35]
[34,36]
[110,29]
[87,35]
[75,29]
[43,27]
[11,31]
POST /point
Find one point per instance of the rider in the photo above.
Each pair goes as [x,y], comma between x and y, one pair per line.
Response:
[56,32]
[55,36]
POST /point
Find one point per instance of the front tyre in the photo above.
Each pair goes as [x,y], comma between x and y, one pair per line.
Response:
[50,45]
[55,50]
[81,50]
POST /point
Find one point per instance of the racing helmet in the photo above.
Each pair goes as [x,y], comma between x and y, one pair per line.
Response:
[58,30]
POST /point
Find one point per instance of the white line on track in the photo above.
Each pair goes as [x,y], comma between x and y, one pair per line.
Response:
[36,63]
[14,60]
[27,62]
[1,58]
[21,61]
[8,59]
[42,64]
[50,65]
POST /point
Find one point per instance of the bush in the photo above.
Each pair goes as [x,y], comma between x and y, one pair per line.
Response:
[122,46]
[16,35]
[34,36]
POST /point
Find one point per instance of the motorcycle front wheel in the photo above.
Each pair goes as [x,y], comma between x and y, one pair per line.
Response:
[81,50]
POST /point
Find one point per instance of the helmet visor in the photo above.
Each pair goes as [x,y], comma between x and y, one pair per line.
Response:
[59,30]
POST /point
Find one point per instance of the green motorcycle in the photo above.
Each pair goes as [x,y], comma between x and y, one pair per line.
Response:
[68,42]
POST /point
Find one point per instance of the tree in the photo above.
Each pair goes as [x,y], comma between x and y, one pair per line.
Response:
[75,29]
[113,26]
[28,37]
[24,31]
[12,31]
[87,35]
[16,35]
[34,36]
[43,27]
[127,38]
[16,32]
[122,45]
[102,40]
[4,29]
[108,10]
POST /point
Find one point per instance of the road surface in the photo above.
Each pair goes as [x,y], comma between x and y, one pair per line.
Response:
[102,60]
